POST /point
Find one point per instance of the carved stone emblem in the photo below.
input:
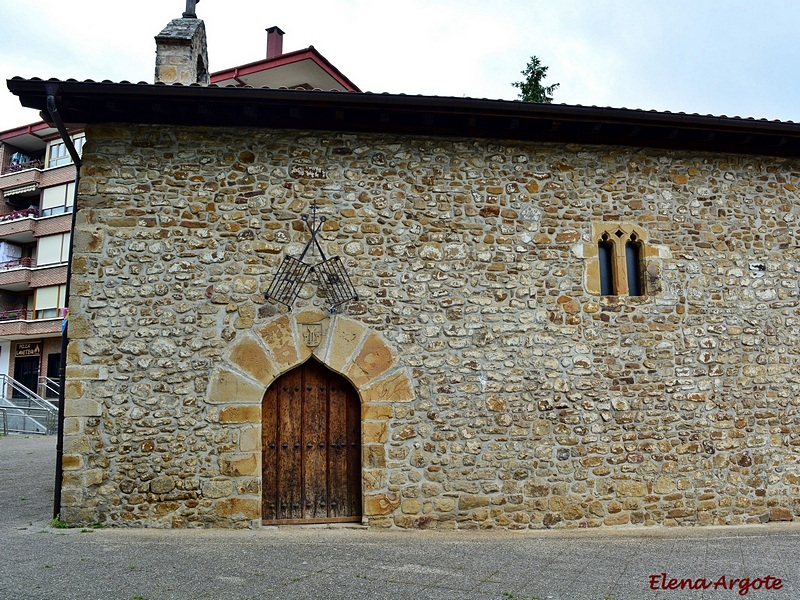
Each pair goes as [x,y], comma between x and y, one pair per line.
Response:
[312,334]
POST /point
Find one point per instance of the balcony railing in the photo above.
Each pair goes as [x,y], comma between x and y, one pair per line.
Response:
[17,263]
[22,314]
[30,164]
[20,214]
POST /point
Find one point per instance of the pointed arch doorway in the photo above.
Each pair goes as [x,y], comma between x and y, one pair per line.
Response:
[311,461]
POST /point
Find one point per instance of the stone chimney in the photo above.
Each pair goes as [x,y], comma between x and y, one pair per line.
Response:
[181,51]
[274,42]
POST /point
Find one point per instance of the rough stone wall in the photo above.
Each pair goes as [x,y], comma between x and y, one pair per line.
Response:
[534,403]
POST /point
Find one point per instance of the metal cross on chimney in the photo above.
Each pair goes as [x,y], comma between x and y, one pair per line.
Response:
[330,273]
[190,9]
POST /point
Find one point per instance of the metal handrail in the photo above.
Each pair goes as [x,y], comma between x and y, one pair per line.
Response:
[44,424]
[46,384]
[28,394]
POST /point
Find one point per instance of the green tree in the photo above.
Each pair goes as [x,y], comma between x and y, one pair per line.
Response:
[531,89]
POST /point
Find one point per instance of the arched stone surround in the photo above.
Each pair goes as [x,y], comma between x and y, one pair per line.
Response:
[255,360]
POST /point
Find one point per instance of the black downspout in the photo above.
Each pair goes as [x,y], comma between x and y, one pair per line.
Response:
[51,91]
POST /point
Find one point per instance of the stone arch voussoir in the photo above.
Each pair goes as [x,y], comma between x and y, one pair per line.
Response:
[342,344]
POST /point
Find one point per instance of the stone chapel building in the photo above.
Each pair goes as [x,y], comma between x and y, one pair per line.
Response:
[549,315]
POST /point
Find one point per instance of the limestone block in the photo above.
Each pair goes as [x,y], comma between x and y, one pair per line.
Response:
[251,357]
[250,439]
[73,391]
[376,412]
[217,489]
[373,479]
[76,444]
[345,337]
[279,337]
[74,351]
[96,372]
[373,456]
[228,387]
[240,414]
[88,240]
[238,508]
[167,74]
[394,388]
[79,327]
[72,496]
[71,461]
[92,477]
[78,516]
[380,504]
[374,358]
[73,425]
[238,465]
[374,432]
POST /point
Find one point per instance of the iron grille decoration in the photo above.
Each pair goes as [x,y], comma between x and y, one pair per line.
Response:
[329,273]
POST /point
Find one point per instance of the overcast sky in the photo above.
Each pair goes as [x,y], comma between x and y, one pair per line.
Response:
[720,57]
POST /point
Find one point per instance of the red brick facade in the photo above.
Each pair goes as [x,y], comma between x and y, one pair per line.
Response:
[35,277]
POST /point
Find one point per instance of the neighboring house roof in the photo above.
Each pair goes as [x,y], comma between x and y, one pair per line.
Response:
[305,68]
[29,138]
[93,102]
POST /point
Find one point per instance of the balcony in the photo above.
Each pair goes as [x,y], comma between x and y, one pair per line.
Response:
[27,177]
[20,324]
[17,263]
[35,163]
[22,274]
[20,181]
[18,226]
[24,226]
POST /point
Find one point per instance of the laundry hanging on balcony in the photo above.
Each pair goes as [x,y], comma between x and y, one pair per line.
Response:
[329,273]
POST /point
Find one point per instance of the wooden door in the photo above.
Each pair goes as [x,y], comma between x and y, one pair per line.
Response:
[311,427]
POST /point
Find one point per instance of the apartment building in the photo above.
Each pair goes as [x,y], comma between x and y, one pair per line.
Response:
[37,185]
[37,181]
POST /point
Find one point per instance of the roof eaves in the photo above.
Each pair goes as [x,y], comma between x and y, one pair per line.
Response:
[410,114]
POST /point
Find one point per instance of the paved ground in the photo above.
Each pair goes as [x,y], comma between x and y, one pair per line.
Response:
[39,562]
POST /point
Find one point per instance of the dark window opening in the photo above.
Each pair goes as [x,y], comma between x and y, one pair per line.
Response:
[605,253]
[53,375]
[633,251]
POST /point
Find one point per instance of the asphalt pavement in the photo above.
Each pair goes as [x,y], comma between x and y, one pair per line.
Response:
[38,561]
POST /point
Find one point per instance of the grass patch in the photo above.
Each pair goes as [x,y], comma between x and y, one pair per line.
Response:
[57,523]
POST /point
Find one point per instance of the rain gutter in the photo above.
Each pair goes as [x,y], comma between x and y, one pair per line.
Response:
[52,90]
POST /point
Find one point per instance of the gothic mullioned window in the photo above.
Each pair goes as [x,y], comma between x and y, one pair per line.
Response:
[619,256]
[619,261]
